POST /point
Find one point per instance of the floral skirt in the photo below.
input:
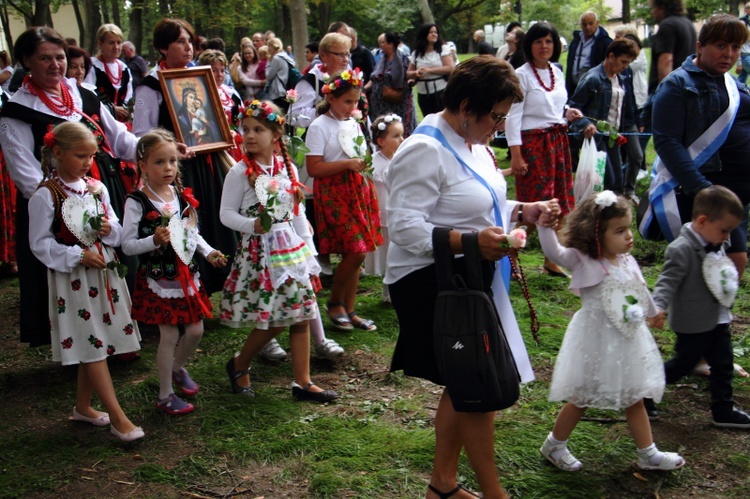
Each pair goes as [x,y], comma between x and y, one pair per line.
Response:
[250,298]
[7,214]
[550,173]
[88,323]
[150,308]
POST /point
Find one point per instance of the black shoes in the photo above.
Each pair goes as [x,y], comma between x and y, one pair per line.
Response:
[736,419]
[300,393]
[234,376]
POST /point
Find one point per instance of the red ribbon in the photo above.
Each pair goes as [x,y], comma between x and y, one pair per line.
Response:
[186,278]
[106,279]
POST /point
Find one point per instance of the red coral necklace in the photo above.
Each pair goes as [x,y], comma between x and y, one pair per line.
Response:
[65,107]
[115,81]
[65,186]
[551,77]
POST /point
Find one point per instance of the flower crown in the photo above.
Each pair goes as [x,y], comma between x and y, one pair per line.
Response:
[387,120]
[605,199]
[258,109]
[352,78]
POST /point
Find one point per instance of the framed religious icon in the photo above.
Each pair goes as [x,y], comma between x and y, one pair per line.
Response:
[195,108]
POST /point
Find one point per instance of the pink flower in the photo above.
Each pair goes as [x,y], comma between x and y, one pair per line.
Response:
[292,96]
[94,186]
[357,114]
[264,316]
[517,238]
[273,187]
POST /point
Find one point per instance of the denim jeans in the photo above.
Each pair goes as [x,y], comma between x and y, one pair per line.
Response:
[745,59]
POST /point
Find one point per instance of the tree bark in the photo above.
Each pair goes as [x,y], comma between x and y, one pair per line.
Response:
[298,14]
[115,6]
[6,27]
[79,21]
[625,11]
[426,12]
[42,16]
[92,21]
[136,25]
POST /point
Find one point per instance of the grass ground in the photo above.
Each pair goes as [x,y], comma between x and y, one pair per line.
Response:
[375,441]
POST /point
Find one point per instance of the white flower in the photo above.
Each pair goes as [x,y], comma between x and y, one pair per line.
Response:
[605,199]
[517,238]
[382,126]
[167,212]
[94,186]
[729,287]
[392,117]
[357,114]
[634,313]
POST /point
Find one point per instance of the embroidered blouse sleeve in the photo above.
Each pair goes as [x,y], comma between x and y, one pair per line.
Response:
[146,110]
[304,109]
[122,141]
[514,121]
[59,257]
[16,142]
[131,245]
[567,257]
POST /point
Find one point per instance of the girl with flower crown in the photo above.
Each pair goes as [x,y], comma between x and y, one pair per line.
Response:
[272,281]
[72,230]
[608,358]
[346,205]
[387,134]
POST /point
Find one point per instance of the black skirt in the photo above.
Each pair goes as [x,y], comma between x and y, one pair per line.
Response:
[413,297]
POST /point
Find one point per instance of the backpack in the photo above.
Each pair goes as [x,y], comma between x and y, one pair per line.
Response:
[294,76]
[472,353]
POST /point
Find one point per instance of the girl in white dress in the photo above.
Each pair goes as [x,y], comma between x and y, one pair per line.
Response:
[72,229]
[387,133]
[272,281]
[608,358]
[161,225]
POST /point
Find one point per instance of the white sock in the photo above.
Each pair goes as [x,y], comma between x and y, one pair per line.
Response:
[652,454]
[168,336]
[316,328]
[562,447]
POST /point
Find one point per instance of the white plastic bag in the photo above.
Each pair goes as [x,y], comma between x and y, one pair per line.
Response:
[590,173]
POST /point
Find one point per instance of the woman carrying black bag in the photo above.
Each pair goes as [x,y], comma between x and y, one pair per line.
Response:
[444,176]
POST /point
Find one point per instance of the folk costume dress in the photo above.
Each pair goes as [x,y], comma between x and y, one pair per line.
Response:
[168,287]
[203,173]
[347,213]
[608,358]
[8,195]
[89,308]
[273,278]
[25,119]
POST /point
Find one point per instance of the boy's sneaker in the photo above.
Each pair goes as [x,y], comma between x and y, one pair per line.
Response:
[273,351]
[174,405]
[182,379]
[328,349]
[736,419]
[651,409]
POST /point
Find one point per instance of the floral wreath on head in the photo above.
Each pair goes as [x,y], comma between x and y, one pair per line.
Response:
[49,139]
[387,120]
[351,78]
[258,109]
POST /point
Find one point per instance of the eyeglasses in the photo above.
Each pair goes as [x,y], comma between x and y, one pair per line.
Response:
[498,119]
[340,55]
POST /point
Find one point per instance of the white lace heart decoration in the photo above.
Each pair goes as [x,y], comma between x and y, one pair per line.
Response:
[348,134]
[183,235]
[76,213]
[624,304]
[721,277]
[284,200]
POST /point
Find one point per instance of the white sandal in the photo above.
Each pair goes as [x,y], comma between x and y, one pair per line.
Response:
[670,461]
[566,461]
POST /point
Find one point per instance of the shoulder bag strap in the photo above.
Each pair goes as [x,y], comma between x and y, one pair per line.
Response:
[472,259]
[443,258]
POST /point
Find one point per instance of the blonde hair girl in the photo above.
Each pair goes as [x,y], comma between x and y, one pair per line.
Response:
[72,230]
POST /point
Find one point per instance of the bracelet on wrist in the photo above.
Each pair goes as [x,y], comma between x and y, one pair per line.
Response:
[520,213]
[83,254]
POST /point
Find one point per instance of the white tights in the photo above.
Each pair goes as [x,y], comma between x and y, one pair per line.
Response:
[172,357]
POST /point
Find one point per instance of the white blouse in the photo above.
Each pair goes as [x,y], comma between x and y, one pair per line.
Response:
[432,82]
[114,68]
[539,109]
[57,256]
[429,188]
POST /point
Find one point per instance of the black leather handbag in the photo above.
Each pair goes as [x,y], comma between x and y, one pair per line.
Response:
[473,355]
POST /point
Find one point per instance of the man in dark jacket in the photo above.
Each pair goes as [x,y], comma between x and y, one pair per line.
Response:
[586,50]
[361,57]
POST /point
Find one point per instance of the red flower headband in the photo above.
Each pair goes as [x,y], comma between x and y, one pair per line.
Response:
[352,78]
[49,139]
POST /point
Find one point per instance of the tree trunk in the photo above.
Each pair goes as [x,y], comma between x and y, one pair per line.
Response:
[42,15]
[92,21]
[6,27]
[298,14]
[426,12]
[625,11]
[79,21]
[115,6]
[104,10]
[136,25]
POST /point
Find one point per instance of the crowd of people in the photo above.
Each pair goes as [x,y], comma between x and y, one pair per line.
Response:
[100,202]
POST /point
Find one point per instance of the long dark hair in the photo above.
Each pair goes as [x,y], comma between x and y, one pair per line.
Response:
[420,41]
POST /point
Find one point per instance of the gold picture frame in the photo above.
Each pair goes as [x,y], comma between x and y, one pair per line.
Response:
[195,109]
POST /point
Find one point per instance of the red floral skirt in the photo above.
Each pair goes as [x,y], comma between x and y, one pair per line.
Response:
[150,308]
[550,174]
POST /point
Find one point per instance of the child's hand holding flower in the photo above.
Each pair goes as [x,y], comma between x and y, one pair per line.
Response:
[106,228]
[217,259]
[161,236]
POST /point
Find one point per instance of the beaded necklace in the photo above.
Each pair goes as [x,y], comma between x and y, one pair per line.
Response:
[65,107]
[65,186]
[551,77]
[115,81]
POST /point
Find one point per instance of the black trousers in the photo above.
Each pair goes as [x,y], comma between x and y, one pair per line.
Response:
[716,347]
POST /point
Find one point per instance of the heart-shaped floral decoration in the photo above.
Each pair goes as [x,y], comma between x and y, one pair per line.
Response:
[348,134]
[76,213]
[183,235]
[284,203]
[721,277]
[625,304]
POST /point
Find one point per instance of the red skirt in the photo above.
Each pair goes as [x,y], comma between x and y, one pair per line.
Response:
[150,308]
[550,173]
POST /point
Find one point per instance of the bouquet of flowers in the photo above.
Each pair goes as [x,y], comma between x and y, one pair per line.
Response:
[266,217]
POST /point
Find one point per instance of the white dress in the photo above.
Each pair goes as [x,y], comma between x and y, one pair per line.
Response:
[375,261]
[89,309]
[599,366]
